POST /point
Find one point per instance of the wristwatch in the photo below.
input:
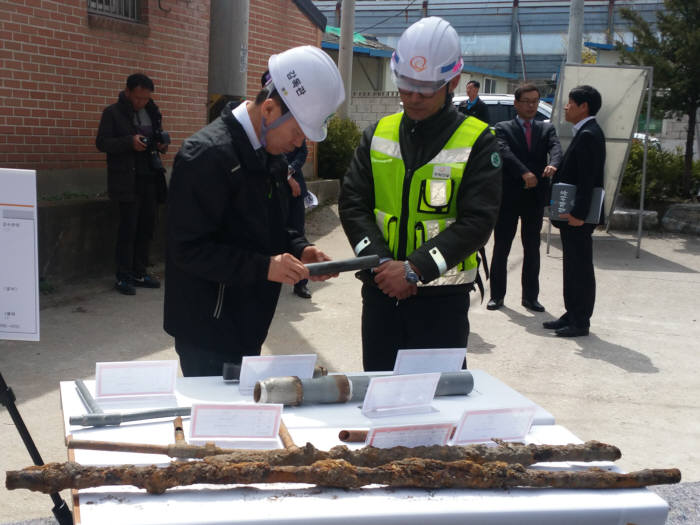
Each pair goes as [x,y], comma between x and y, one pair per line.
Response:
[411,276]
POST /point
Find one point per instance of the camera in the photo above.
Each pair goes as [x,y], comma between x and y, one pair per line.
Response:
[146,141]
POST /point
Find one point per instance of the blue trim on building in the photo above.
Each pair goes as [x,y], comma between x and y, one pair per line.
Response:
[604,47]
[357,49]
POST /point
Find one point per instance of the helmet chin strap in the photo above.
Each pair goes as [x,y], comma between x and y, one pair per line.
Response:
[264,128]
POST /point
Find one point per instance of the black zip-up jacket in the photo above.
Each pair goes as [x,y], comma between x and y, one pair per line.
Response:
[478,198]
[227,213]
[115,138]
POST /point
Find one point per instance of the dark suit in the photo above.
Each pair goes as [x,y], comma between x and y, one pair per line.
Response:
[478,109]
[525,204]
[583,166]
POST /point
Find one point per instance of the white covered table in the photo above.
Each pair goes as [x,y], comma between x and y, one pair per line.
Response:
[301,504]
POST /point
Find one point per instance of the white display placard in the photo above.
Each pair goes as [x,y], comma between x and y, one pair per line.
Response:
[423,435]
[135,378]
[257,368]
[19,256]
[422,361]
[231,422]
[481,426]
[399,395]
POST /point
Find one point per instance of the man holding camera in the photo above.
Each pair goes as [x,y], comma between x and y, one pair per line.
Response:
[132,136]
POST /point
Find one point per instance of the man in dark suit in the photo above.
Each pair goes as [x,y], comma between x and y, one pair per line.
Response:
[474,106]
[581,166]
[531,154]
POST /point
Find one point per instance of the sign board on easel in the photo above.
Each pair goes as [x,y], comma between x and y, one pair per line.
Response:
[19,256]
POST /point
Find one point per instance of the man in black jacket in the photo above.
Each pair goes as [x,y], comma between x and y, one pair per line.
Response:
[531,154]
[474,106]
[297,210]
[583,166]
[131,134]
[422,192]
[228,245]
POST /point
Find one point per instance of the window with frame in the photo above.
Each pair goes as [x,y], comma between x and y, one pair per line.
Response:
[122,9]
[489,85]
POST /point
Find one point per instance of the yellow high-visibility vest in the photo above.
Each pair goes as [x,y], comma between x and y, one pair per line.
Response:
[412,208]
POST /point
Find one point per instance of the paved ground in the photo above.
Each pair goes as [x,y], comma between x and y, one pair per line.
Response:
[633,382]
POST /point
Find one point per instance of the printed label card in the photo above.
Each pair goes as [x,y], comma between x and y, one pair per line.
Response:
[236,425]
[257,368]
[482,426]
[399,395]
[409,435]
[429,360]
[135,383]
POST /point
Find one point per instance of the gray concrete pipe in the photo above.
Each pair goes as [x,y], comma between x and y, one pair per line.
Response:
[292,391]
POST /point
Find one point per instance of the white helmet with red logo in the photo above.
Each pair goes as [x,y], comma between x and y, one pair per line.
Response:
[427,56]
[309,83]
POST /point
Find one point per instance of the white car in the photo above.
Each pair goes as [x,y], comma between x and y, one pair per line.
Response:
[501,107]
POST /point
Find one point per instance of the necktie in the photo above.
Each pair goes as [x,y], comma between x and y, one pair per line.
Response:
[528,134]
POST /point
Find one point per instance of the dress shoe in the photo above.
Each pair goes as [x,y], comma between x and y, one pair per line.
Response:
[571,331]
[556,324]
[535,306]
[302,291]
[494,304]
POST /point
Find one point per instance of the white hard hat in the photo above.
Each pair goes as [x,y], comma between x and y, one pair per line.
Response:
[427,56]
[309,83]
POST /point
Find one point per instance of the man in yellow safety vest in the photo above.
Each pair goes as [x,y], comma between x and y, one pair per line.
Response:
[422,192]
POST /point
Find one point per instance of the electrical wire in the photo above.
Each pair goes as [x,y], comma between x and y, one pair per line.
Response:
[387,18]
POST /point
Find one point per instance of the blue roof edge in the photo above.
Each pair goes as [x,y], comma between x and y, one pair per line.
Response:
[357,49]
[605,47]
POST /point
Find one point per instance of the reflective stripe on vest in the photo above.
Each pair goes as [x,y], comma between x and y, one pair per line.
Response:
[432,194]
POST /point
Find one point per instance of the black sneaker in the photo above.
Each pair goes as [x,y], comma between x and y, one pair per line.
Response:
[146,281]
[125,287]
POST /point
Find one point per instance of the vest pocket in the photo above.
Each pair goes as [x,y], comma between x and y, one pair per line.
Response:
[435,196]
[387,224]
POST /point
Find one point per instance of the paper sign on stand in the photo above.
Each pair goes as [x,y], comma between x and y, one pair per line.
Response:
[481,426]
[236,425]
[426,360]
[399,395]
[19,263]
[135,383]
[409,435]
[257,368]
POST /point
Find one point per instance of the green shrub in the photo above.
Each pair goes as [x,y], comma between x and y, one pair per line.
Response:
[335,153]
[664,175]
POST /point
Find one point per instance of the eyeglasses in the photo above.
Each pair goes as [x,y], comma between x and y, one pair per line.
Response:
[529,102]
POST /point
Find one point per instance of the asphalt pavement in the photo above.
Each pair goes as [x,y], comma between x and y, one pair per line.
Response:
[633,382]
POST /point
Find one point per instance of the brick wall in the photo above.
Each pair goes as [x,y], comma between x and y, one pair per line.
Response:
[276,25]
[61,67]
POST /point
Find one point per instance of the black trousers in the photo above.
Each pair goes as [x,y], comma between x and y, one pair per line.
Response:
[196,361]
[579,277]
[529,212]
[135,232]
[418,322]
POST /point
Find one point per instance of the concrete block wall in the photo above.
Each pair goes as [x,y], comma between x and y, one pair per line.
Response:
[366,108]
[62,66]
[674,132]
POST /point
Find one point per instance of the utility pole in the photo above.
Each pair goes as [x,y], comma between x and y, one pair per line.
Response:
[611,22]
[347,30]
[573,51]
[513,38]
